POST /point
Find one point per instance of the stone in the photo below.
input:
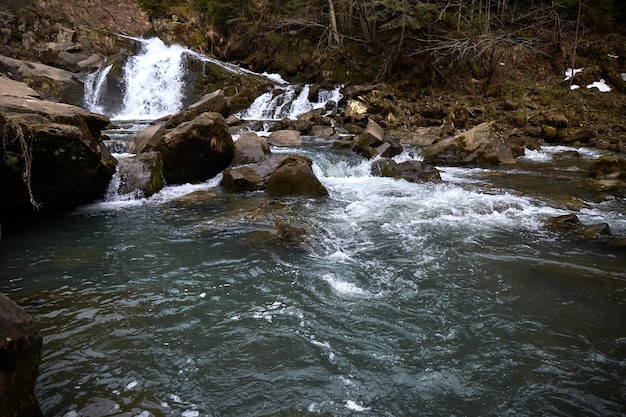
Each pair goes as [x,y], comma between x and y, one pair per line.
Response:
[412,171]
[52,157]
[250,148]
[51,83]
[295,177]
[322,131]
[355,108]
[147,139]
[251,177]
[20,356]
[141,174]
[285,138]
[196,150]
[372,143]
[215,102]
[479,146]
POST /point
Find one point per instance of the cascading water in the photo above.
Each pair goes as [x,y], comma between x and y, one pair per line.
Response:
[154,81]
[95,85]
[285,101]
[449,298]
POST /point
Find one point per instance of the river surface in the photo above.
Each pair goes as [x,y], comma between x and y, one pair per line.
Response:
[401,299]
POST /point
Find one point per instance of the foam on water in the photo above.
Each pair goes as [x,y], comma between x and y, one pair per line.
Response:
[547,153]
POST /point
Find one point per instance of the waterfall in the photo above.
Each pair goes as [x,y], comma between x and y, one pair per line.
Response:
[95,85]
[283,102]
[154,81]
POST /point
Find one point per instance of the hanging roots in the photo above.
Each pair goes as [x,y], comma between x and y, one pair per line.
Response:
[27,155]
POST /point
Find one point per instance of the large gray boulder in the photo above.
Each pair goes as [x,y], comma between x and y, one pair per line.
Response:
[250,148]
[479,146]
[20,356]
[52,156]
[196,150]
[251,177]
[285,137]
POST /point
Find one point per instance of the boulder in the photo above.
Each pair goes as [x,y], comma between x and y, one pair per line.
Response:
[52,157]
[322,131]
[147,139]
[20,356]
[141,174]
[295,177]
[251,177]
[277,175]
[479,146]
[215,102]
[608,174]
[196,150]
[373,142]
[250,148]
[285,138]
[51,83]
[412,171]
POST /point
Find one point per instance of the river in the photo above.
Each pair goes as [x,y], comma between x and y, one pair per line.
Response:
[401,299]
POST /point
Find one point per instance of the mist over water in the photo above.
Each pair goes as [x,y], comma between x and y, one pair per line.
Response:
[403,299]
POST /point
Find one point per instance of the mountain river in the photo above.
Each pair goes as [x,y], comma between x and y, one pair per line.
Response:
[402,299]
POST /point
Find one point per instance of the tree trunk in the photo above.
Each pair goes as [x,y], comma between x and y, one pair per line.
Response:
[334,33]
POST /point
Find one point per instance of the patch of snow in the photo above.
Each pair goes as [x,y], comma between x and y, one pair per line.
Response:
[574,87]
[612,56]
[624,76]
[600,85]
[569,73]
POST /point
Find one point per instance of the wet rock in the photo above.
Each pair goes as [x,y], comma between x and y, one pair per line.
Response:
[250,148]
[412,171]
[215,102]
[480,146]
[196,150]
[596,231]
[285,138]
[250,177]
[277,175]
[141,174]
[147,139]
[291,233]
[20,356]
[295,177]
[373,142]
[564,222]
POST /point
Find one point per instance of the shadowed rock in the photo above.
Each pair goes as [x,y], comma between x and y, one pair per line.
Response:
[20,355]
